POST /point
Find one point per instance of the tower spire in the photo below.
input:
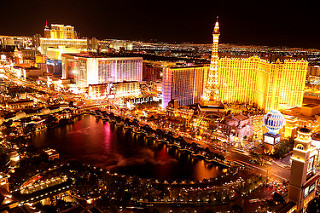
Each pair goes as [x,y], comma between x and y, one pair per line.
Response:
[216,27]
[303,176]
[211,90]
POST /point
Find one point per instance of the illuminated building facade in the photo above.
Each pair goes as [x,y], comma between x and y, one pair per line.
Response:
[174,111]
[184,84]
[304,116]
[236,127]
[271,84]
[17,56]
[20,41]
[115,90]
[211,91]
[60,31]
[303,177]
[45,43]
[178,116]
[85,69]
[61,36]
[54,62]
[125,89]
[55,53]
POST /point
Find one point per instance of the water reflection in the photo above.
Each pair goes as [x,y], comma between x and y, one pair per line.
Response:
[120,150]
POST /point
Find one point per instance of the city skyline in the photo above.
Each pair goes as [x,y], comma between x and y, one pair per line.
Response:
[110,106]
[273,24]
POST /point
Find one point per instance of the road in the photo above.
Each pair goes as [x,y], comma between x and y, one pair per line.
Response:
[270,169]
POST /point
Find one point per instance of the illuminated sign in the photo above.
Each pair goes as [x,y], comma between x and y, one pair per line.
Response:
[277,140]
[272,139]
[310,165]
[309,189]
[268,139]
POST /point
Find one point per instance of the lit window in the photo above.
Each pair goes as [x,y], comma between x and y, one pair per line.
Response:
[299,146]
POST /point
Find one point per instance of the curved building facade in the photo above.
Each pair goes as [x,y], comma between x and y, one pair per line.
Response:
[271,84]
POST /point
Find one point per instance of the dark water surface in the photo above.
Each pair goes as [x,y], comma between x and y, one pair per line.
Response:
[118,149]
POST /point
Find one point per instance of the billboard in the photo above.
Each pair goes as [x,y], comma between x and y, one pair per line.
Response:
[268,139]
[309,189]
[271,138]
[310,165]
[277,140]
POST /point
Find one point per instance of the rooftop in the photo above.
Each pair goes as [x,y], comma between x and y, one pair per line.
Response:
[102,56]
[185,66]
[271,58]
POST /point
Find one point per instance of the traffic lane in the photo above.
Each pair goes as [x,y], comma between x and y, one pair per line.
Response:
[269,169]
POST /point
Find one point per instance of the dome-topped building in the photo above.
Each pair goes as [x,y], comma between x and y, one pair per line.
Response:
[273,121]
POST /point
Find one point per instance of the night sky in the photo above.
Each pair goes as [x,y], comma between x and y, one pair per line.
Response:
[273,23]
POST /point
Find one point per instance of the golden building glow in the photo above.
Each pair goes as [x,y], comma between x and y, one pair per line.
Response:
[60,31]
[46,43]
[270,84]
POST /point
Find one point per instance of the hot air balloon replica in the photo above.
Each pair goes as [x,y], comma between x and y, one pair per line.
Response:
[273,121]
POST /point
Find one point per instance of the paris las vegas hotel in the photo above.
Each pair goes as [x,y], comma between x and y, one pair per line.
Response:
[269,82]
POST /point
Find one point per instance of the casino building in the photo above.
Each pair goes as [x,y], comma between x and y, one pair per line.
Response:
[116,90]
[86,69]
[183,84]
[271,82]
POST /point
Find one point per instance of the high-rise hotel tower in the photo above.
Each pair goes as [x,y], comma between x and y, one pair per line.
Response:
[60,31]
[183,84]
[211,89]
[270,82]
